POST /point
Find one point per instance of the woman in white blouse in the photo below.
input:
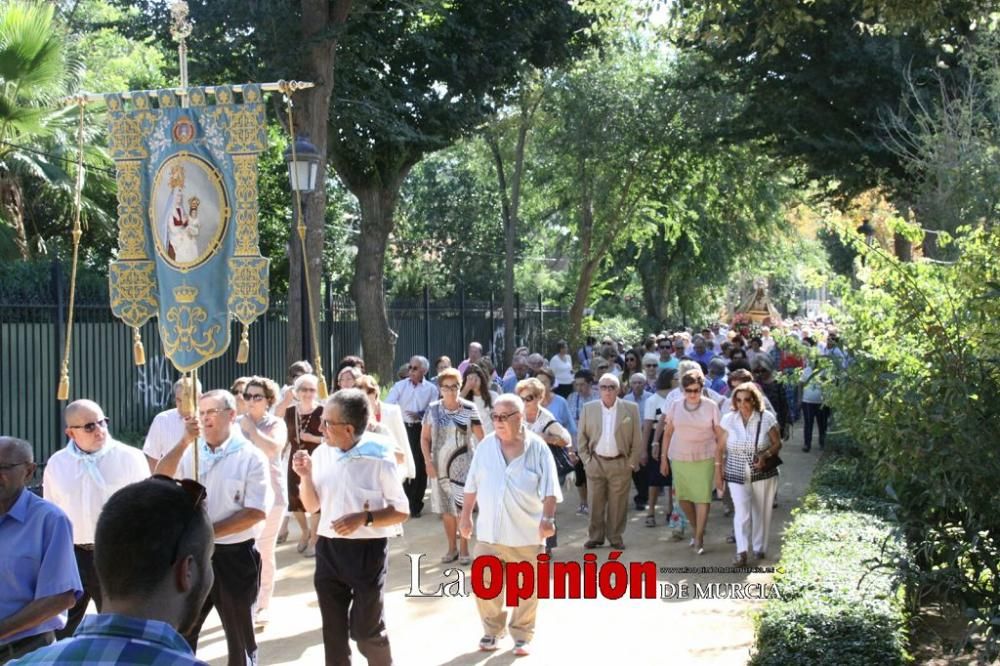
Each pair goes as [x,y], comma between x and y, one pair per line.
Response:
[476,389]
[752,437]
[562,366]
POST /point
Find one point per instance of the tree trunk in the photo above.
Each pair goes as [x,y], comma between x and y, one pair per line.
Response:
[311,114]
[587,271]
[13,203]
[378,340]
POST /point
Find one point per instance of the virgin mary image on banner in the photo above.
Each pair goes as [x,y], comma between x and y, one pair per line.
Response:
[188,205]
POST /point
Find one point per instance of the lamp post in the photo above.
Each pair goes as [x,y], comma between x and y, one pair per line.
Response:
[303,167]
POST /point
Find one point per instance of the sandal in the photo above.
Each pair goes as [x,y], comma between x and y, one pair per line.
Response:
[650,521]
[449,557]
[465,560]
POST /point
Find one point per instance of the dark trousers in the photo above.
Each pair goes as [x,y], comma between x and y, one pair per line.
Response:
[91,590]
[640,478]
[350,582]
[234,593]
[821,413]
[417,486]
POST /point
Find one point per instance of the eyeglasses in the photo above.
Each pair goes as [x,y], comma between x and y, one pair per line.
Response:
[449,387]
[740,401]
[196,493]
[213,412]
[415,367]
[692,390]
[329,424]
[503,418]
[608,387]
[254,397]
[306,390]
[650,365]
[529,398]
[663,346]
[92,426]
[10,466]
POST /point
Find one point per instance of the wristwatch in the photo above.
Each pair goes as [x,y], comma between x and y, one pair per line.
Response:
[550,521]
[369,519]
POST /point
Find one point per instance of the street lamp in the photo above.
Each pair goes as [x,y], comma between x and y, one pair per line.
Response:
[303,165]
[302,159]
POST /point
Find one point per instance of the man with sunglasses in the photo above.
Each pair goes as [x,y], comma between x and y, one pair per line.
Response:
[79,479]
[514,480]
[414,395]
[36,545]
[154,558]
[351,480]
[236,477]
[609,444]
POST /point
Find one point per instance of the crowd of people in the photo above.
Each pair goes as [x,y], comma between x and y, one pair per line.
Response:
[157,538]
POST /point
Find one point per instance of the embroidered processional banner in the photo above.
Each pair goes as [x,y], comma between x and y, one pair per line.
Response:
[188,248]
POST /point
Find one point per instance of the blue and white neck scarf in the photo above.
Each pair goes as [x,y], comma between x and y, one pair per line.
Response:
[208,458]
[89,461]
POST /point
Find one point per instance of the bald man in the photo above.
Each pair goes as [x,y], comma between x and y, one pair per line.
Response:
[79,479]
[36,543]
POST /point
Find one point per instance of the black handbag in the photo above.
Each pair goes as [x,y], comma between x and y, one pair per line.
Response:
[771,463]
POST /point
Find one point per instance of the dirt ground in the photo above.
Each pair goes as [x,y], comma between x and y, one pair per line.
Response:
[428,631]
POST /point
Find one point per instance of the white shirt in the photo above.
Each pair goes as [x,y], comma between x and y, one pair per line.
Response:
[606,445]
[164,433]
[510,496]
[653,403]
[240,480]
[563,370]
[355,484]
[392,419]
[69,484]
[412,397]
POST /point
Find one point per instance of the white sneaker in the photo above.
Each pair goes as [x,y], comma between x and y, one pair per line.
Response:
[583,510]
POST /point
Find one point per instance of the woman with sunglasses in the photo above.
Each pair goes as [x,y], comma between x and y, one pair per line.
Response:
[303,421]
[752,436]
[544,424]
[451,428]
[269,434]
[691,435]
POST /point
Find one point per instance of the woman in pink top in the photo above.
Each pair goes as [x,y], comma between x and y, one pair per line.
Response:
[691,434]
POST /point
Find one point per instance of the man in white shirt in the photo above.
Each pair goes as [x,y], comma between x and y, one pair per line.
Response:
[513,479]
[609,444]
[351,480]
[236,478]
[79,479]
[413,395]
[167,427]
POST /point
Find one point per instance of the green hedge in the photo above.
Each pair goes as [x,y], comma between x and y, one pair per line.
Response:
[841,598]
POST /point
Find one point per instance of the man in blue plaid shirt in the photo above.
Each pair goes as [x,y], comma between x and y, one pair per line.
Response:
[153,554]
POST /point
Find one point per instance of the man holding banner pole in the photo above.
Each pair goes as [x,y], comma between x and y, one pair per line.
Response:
[235,475]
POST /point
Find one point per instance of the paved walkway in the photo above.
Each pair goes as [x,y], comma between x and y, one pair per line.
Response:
[430,631]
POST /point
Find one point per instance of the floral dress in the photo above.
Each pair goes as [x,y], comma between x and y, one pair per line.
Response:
[451,452]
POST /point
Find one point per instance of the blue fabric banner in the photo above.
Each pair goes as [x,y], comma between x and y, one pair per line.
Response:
[188,238]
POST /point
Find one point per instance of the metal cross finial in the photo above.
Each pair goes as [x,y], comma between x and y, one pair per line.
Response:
[180,30]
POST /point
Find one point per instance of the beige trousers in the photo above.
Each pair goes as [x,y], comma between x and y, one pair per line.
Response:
[266,543]
[492,612]
[608,486]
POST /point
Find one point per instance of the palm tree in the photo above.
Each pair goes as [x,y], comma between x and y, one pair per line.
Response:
[34,73]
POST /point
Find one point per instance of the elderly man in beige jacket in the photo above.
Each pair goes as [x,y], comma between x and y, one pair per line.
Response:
[608,441]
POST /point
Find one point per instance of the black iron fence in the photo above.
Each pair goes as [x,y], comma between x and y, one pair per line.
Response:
[102,368]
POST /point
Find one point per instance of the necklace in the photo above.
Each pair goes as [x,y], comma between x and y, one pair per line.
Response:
[688,409]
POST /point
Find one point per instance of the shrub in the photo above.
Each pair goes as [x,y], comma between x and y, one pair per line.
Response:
[841,599]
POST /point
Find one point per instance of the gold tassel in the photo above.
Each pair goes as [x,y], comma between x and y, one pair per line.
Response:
[137,349]
[321,389]
[243,355]
[62,393]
